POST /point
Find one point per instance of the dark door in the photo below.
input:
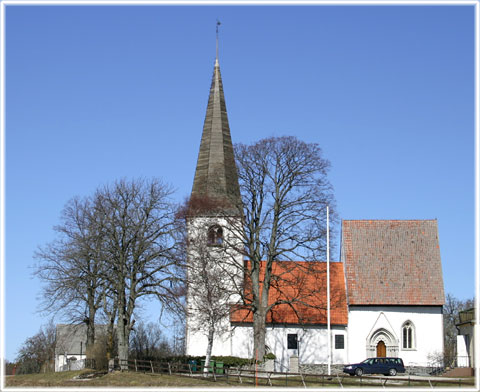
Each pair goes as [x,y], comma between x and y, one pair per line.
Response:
[381,349]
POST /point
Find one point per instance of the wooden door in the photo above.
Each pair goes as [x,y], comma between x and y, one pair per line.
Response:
[381,349]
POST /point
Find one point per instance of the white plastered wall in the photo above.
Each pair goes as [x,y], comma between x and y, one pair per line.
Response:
[312,344]
[196,339]
[62,359]
[364,321]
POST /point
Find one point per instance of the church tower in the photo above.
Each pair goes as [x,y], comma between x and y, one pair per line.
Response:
[213,228]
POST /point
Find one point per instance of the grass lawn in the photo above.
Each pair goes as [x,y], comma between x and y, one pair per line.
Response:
[139,380]
[115,379]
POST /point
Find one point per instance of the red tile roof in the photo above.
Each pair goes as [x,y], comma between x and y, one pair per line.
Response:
[303,284]
[392,262]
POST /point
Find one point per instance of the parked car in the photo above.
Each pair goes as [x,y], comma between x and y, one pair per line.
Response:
[386,366]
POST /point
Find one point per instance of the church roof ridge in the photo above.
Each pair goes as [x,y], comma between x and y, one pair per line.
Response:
[389,220]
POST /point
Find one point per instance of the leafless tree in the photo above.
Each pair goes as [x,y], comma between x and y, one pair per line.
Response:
[148,342]
[138,242]
[71,267]
[285,192]
[451,309]
[38,352]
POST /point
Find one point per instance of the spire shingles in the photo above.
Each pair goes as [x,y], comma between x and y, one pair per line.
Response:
[216,173]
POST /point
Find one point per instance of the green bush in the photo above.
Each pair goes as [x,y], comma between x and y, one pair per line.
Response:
[230,361]
[269,356]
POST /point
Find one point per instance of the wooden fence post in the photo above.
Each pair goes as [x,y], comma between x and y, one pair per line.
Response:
[169,369]
[135,362]
[151,365]
[339,381]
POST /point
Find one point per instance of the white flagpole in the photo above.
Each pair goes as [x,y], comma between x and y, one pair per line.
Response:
[329,340]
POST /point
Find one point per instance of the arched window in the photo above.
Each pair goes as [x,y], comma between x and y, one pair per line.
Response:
[215,235]
[408,336]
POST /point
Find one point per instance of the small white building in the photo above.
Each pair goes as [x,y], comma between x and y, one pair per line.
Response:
[70,345]
[466,338]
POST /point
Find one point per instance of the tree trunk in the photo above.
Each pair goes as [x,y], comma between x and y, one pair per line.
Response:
[123,331]
[90,337]
[122,336]
[90,327]
[110,333]
[211,332]
[259,334]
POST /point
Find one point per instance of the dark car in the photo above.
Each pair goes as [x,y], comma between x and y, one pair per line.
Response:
[386,366]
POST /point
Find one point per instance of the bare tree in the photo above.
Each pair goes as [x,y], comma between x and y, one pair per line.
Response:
[38,352]
[137,228]
[451,309]
[285,192]
[71,267]
[148,342]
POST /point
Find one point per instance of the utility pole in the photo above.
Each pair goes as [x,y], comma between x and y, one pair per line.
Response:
[329,340]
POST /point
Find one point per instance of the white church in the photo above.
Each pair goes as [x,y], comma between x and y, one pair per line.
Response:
[388,283]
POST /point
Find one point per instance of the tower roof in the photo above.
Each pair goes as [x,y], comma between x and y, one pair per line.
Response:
[216,174]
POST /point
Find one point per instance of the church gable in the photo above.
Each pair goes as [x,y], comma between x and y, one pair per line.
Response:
[392,262]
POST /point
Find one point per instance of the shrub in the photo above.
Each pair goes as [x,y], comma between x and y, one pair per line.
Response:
[230,361]
[98,352]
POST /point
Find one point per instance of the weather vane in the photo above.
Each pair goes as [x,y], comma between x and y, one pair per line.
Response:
[218,24]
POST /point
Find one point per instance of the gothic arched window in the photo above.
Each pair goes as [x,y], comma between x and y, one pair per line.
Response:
[215,235]
[408,336]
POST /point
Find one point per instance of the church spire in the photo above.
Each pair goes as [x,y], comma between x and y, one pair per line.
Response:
[216,174]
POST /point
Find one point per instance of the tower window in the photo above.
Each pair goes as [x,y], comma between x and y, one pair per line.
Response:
[215,236]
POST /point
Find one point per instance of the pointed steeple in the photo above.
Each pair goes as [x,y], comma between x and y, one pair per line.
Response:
[216,174]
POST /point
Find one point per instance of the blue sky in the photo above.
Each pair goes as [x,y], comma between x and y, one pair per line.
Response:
[97,93]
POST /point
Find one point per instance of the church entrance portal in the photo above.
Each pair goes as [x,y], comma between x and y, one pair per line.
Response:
[382,343]
[381,349]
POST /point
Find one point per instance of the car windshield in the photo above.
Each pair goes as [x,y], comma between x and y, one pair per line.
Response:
[368,361]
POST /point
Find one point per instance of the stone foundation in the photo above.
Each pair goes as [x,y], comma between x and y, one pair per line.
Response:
[319,368]
[338,369]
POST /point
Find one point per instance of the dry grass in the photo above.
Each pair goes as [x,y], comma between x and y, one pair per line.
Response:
[139,380]
[115,379]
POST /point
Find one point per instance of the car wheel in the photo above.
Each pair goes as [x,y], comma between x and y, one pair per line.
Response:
[392,372]
[358,371]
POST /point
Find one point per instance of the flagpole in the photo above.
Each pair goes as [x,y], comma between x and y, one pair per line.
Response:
[329,340]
